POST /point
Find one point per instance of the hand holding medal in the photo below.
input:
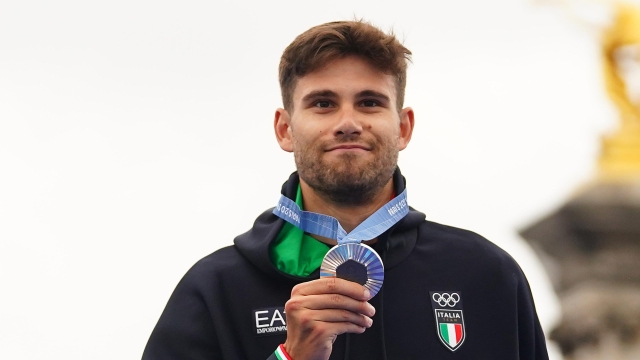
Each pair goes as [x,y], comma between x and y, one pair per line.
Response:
[350,259]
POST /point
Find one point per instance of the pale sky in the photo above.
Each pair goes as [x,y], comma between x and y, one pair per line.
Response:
[136,138]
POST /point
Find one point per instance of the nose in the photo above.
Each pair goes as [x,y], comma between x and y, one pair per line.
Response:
[348,124]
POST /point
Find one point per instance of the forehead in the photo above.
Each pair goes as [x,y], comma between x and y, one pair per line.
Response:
[346,77]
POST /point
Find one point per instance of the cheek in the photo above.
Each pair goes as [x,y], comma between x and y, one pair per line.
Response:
[388,133]
[301,142]
[307,137]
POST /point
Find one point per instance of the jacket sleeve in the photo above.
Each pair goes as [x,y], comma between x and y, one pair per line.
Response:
[532,343]
[185,329]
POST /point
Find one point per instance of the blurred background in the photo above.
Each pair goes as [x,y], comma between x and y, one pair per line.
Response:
[136,138]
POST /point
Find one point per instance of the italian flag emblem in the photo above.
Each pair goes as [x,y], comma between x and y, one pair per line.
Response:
[450,327]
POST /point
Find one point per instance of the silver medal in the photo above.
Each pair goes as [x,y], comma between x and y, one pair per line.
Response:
[355,262]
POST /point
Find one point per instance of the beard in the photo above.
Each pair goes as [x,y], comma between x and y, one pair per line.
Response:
[350,180]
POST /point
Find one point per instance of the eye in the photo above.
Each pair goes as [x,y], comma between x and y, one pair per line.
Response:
[323,104]
[370,103]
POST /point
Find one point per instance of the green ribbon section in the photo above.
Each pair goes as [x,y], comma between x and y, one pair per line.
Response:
[294,252]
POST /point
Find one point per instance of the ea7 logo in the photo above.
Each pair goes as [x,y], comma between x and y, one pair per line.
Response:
[269,321]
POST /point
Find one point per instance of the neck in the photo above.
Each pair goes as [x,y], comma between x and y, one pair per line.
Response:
[348,216]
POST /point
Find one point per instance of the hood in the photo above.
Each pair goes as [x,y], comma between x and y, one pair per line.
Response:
[393,246]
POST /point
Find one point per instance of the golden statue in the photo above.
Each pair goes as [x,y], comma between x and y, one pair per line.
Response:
[620,45]
[620,157]
[618,25]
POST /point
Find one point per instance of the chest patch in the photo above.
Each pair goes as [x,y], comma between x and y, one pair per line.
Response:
[269,321]
[447,308]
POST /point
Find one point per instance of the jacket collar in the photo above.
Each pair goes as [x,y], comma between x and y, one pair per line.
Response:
[393,246]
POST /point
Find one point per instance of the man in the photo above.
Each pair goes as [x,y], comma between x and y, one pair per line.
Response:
[447,293]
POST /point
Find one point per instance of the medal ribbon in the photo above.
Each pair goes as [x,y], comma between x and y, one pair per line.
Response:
[329,227]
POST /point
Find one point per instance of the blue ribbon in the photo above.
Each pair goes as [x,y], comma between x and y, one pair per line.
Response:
[329,227]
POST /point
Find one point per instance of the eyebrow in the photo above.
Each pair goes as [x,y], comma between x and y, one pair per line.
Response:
[331,94]
[319,93]
[372,93]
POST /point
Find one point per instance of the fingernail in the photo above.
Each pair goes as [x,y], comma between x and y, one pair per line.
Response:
[367,293]
[372,310]
[370,321]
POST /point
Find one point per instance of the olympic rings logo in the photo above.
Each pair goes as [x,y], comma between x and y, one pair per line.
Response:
[445,299]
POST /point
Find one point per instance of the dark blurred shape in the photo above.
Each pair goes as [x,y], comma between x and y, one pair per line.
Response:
[591,250]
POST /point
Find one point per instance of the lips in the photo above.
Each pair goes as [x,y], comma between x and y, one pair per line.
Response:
[348,147]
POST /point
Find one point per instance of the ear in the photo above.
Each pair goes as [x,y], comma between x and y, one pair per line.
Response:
[406,127]
[282,127]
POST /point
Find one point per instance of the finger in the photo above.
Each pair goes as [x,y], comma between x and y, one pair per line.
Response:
[341,316]
[330,301]
[338,328]
[332,285]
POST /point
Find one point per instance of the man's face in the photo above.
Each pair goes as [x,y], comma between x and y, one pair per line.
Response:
[345,131]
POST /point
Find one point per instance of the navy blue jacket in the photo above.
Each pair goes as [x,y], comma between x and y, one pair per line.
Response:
[230,304]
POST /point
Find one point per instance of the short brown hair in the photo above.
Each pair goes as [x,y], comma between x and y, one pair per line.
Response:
[321,44]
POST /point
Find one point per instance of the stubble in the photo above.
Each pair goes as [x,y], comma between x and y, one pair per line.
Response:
[351,180]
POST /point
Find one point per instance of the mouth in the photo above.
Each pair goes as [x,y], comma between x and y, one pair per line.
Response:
[343,147]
